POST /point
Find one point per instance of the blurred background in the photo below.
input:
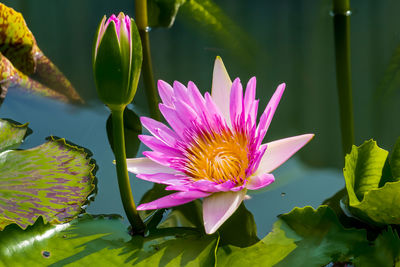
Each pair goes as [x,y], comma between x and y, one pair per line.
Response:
[287,41]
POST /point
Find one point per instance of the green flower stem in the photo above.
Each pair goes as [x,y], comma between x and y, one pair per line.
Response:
[122,171]
[341,24]
[147,68]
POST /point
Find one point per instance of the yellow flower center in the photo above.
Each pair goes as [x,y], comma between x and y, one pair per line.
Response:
[218,157]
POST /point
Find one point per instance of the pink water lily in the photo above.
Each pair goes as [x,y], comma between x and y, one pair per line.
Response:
[213,149]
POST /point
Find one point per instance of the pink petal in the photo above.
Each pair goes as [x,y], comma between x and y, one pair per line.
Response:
[172,200]
[180,91]
[280,151]
[172,118]
[250,104]
[159,130]
[260,181]
[147,166]
[166,92]
[166,178]
[269,111]
[197,100]
[161,158]
[156,145]
[236,101]
[221,88]
[218,207]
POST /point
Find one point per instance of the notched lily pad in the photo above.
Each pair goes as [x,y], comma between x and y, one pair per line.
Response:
[373,192]
[104,240]
[52,180]
[302,237]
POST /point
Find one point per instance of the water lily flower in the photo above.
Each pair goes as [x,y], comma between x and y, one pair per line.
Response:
[117,60]
[212,149]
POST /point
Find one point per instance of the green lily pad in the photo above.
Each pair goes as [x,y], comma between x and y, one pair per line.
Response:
[385,251]
[103,241]
[11,135]
[52,180]
[302,237]
[368,198]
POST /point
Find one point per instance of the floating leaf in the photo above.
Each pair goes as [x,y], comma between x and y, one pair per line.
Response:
[162,13]
[303,237]
[364,169]
[240,229]
[385,251]
[52,180]
[11,135]
[103,241]
[18,45]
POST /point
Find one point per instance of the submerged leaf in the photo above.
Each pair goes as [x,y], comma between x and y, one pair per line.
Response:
[52,180]
[103,241]
[27,61]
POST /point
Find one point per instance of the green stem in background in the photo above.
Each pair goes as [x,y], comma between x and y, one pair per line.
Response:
[147,69]
[122,172]
[341,24]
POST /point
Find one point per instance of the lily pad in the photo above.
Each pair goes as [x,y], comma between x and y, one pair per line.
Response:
[385,251]
[365,167]
[11,135]
[103,241]
[52,180]
[303,237]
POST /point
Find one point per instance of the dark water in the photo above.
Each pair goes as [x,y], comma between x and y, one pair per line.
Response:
[280,41]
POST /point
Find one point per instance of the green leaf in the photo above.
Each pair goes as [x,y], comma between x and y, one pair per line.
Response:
[132,128]
[385,251]
[240,229]
[303,237]
[162,13]
[52,180]
[395,160]
[104,241]
[365,168]
[260,254]
[11,135]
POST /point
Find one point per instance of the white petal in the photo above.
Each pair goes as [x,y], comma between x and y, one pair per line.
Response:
[221,88]
[147,166]
[280,151]
[218,207]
